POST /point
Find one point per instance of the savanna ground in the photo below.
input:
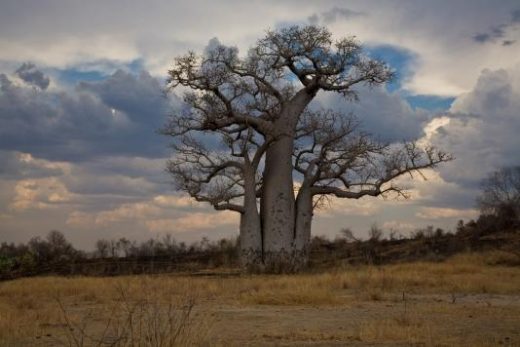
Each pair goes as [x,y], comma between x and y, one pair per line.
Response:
[467,300]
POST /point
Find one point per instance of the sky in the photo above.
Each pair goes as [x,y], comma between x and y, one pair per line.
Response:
[81,99]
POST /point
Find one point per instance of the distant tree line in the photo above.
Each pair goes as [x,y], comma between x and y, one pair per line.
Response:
[54,252]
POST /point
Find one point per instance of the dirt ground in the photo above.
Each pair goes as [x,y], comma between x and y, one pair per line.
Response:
[419,320]
[461,302]
[415,320]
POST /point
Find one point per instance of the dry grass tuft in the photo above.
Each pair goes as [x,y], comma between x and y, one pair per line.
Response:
[301,291]
[411,330]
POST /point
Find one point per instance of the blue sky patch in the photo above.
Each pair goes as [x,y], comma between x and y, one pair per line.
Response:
[430,102]
[399,59]
[97,71]
[73,75]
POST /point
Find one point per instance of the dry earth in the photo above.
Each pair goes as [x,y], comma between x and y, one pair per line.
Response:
[465,301]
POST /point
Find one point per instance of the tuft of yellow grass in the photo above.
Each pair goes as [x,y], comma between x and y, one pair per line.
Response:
[284,291]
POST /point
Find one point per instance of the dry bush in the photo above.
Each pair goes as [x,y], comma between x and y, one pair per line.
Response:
[144,317]
[138,311]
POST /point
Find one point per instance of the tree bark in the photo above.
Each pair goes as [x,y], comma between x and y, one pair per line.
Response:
[278,210]
[302,231]
[278,206]
[250,228]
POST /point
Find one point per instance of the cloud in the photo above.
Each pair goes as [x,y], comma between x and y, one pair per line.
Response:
[16,165]
[385,115]
[116,116]
[33,76]
[346,207]
[173,201]
[194,221]
[40,193]
[482,134]
[334,14]
[5,83]
[133,211]
[400,226]
[433,213]
[75,34]
[492,35]
[515,16]
[162,213]
[497,32]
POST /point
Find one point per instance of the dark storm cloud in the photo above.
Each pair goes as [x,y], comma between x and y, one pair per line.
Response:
[13,166]
[86,181]
[140,97]
[5,83]
[117,116]
[33,76]
[333,15]
[498,32]
[123,176]
[492,35]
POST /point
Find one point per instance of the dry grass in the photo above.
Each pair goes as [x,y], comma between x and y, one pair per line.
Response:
[35,307]
[126,311]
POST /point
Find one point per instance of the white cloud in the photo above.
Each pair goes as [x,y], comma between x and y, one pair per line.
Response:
[126,212]
[385,115]
[438,212]
[161,213]
[175,201]
[39,193]
[399,226]
[194,221]
[483,129]
[347,207]
[80,219]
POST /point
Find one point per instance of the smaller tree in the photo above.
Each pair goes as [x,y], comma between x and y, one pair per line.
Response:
[348,235]
[124,245]
[375,233]
[500,197]
[102,248]
[58,245]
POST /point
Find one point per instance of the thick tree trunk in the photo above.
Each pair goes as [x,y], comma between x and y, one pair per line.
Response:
[250,227]
[302,231]
[278,210]
[250,242]
[278,207]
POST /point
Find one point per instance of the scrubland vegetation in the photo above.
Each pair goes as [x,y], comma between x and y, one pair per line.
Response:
[465,300]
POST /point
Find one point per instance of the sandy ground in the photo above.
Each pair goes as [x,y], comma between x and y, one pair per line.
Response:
[416,320]
[464,320]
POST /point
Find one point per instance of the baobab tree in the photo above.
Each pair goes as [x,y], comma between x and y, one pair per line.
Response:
[276,156]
